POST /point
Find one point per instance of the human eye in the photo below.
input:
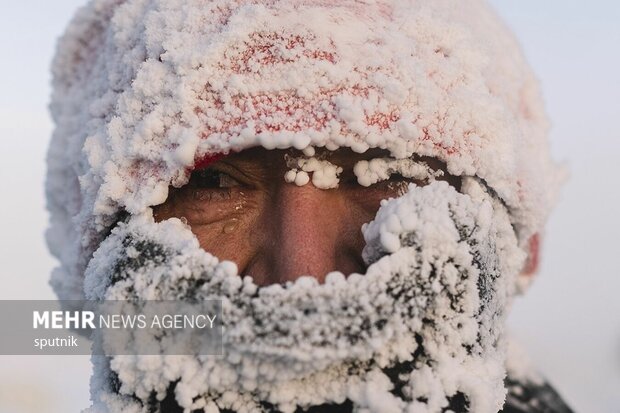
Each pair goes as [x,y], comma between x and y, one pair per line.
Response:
[211,178]
[397,184]
[215,184]
[379,172]
[212,194]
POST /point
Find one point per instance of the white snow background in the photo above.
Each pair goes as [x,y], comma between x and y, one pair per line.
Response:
[570,319]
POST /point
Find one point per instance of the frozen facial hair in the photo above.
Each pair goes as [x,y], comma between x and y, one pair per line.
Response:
[420,331]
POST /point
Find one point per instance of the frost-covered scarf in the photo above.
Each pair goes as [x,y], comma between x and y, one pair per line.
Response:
[420,331]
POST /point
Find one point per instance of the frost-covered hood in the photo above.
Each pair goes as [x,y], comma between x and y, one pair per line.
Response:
[145,89]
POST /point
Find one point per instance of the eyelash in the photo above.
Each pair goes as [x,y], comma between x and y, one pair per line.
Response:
[395,178]
[210,178]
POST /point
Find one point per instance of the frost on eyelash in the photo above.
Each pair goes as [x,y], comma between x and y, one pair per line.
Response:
[441,268]
[325,175]
[380,169]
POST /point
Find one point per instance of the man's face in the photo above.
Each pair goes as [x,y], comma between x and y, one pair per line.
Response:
[242,209]
[438,260]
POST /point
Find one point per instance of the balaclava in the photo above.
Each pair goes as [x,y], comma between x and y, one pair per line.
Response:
[145,91]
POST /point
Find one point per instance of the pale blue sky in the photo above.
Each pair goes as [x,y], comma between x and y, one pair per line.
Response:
[570,320]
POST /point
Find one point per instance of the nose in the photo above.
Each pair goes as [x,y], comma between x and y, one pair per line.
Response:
[311,233]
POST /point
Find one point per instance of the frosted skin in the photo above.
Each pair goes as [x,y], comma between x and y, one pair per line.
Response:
[296,369]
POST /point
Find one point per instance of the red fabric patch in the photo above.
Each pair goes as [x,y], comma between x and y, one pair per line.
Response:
[207,160]
[533,259]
